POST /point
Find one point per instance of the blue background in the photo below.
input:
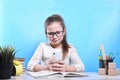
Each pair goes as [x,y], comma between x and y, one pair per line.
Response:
[89,23]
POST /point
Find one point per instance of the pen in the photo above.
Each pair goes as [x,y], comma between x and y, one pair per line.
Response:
[101,54]
[115,56]
[100,57]
[107,58]
[110,56]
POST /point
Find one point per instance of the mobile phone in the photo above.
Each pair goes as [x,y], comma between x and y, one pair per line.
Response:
[57,56]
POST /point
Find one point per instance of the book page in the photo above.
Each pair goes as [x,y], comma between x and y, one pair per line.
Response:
[41,73]
[74,74]
[50,73]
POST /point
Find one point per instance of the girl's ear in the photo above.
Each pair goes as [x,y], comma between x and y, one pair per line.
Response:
[46,33]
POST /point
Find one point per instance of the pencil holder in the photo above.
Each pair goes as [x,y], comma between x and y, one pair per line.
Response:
[104,64]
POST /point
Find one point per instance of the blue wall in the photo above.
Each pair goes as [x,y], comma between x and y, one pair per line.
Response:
[89,23]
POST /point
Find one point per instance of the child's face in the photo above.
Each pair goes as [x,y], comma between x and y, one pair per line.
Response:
[55,33]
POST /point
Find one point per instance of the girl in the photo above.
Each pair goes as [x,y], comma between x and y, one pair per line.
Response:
[57,54]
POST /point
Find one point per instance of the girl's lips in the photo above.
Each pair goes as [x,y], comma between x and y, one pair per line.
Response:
[54,41]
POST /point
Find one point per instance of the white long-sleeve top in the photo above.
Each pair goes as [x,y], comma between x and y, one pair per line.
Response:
[45,52]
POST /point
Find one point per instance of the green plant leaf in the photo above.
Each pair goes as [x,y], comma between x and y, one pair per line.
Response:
[7,54]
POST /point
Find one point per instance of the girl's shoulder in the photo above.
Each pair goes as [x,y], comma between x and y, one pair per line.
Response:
[71,46]
[44,44]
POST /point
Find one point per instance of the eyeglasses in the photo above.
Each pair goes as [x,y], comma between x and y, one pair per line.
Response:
[58,34]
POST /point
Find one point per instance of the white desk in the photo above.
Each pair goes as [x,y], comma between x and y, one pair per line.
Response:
[92,76]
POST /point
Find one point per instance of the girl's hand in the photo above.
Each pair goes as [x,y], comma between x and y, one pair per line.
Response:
[59,66]
[50,64]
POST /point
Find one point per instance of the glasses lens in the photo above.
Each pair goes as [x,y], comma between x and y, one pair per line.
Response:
[50,34]
[58,33]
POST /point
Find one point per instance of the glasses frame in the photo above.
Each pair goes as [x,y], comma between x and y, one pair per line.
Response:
[54,33]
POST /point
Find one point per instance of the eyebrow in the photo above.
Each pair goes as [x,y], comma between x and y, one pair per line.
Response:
[54,32]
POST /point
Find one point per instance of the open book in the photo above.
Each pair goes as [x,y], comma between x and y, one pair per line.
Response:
[50,73]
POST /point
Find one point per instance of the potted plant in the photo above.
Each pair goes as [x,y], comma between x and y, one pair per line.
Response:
[7,54]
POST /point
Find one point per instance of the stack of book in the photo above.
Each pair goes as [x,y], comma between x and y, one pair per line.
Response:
[22,61]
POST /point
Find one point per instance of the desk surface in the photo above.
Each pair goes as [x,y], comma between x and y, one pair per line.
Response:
[91,76]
